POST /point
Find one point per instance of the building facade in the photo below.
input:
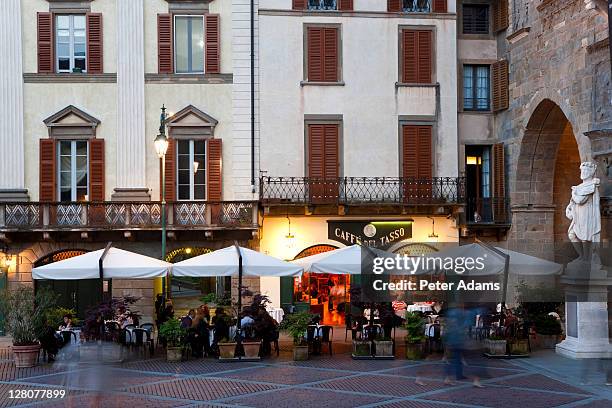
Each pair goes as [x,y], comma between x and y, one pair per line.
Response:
[83,85]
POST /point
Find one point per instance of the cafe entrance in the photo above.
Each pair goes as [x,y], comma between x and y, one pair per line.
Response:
[321,293]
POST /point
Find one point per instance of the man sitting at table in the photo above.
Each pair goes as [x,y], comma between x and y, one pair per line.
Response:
[66,322]
[187,321]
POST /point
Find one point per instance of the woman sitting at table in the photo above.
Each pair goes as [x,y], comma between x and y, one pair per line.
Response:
[219,322]
[66,322]
[198,335]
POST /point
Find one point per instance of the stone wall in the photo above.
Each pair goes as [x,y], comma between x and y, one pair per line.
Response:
[559,88]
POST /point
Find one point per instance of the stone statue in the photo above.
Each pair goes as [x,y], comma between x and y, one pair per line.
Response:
[583,211]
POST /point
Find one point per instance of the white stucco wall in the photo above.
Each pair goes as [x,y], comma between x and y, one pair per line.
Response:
[369,102]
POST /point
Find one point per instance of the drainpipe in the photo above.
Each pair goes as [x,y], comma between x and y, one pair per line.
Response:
[253,96]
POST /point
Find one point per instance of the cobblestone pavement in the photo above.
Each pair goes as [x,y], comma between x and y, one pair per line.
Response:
[324,381]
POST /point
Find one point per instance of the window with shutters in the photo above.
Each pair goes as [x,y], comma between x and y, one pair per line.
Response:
[72,168]
[70,43]
[475,19]
[323,146]
[322,54]
[322,4]
[191,169]
[417,6]
[476,87]
[189,44]
[416,51]
[485,175]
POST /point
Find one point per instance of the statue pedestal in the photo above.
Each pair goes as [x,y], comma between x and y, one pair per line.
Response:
[586,312]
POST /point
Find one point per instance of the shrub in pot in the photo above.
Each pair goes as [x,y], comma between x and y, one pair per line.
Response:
[496,345]
[415,336]
[26,321]
[548,329]
[173,334]
[362,348]
[295,325]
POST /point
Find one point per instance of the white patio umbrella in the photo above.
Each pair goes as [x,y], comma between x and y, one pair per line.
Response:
[107,263]
[347,260]
[225,262]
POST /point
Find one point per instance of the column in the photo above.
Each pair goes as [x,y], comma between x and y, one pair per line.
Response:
[12,179]
[131,140]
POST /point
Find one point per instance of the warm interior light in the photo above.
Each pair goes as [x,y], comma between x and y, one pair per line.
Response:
[188,251]
[472,160]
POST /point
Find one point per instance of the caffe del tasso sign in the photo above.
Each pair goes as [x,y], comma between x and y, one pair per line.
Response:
[379,234]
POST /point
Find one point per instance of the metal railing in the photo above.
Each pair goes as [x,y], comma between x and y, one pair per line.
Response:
[493,210]
[123,215]
[322,5]
[362,190]
[416,6]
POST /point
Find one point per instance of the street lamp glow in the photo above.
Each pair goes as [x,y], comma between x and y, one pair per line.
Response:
[161,145]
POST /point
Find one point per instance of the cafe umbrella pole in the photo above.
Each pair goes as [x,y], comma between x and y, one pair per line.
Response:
[238,325]
[101,269]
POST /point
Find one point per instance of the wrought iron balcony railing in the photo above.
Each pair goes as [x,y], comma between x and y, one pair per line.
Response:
[416,6]
[322,5]
[492,210]
[127,215]
[362,190]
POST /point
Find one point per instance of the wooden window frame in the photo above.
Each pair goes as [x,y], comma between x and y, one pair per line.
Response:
[174,59]
[305,80]
[462,81]
[460,65]
[192,141]
[475,36]
[400,53]
[58,169]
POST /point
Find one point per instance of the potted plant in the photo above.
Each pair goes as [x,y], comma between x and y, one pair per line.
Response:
[548,330]
[496,345]
[415,334]
[383,346]
[227,348]
[295,325]
[25,313]
[362,348]
[173,334]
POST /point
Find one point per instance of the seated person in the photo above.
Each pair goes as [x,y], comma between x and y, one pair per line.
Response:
[186,321]
[50,342]
[66,322]
[219,322]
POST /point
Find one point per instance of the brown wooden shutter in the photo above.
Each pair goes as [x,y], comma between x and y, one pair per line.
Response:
[299,4]
[315,54]
[46,63]
[214,171]
[499,183]
[213,45]
[165,57]
[439,6]
[330,54]
[394,5]
[170,179]
[345,5]
[500,15]
[96,170]
[47,190]
[94,43]
[500,85]
[417,162]
[323,162]
[409,56]
[425,50]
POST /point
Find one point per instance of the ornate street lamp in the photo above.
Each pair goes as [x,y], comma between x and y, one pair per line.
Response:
[161,147]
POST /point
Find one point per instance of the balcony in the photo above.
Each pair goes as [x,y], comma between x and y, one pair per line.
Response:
[486,217]
[191,215]
[362,191]
[322,5]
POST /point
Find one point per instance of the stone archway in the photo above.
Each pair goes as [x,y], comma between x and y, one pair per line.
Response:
[546,168]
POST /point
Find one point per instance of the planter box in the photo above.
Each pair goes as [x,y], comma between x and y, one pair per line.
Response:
[362,348]
[174,354]
[251,349]
[548,341]
[384,348]
[227,350]
[519,347]
[26,356]
[414,351]
[300,353]
[495,347]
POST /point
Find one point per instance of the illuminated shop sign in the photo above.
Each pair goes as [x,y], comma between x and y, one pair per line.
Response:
[380,234]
